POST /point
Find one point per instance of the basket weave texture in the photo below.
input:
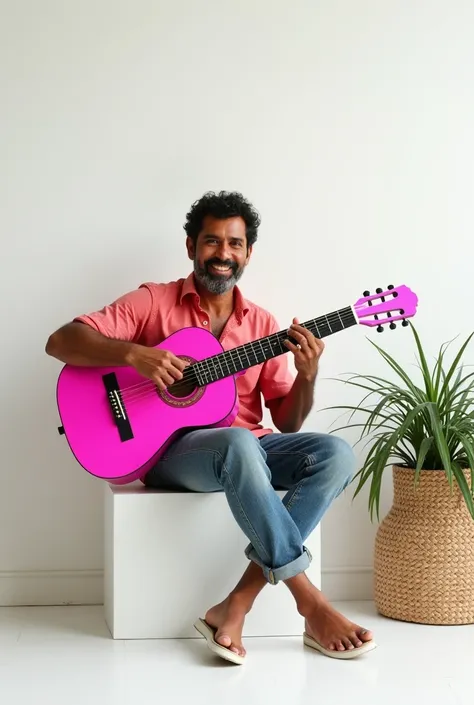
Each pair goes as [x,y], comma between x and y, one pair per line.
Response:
[424,552]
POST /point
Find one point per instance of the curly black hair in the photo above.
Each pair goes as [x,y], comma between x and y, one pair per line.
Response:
[224,204]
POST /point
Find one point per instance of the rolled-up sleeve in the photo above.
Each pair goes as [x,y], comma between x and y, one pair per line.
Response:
[123,319]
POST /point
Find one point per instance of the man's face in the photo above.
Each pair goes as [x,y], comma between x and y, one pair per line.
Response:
[221,254]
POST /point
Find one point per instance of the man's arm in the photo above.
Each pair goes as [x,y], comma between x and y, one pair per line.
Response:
[105,337]
[79,344]
[289,412]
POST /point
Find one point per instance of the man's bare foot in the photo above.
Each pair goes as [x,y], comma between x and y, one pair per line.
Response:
[228,618]
[330,628]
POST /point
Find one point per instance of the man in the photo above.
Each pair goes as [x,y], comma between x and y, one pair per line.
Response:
[246,461]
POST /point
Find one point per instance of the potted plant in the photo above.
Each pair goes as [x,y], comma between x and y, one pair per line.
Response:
[424,547]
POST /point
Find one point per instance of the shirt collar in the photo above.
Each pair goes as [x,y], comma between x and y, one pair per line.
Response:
[188,289]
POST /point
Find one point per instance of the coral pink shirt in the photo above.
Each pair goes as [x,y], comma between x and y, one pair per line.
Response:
[152,312]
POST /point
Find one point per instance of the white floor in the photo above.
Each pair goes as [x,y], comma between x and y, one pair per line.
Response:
[58,655]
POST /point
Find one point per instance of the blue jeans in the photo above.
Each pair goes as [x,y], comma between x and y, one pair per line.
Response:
[313,467]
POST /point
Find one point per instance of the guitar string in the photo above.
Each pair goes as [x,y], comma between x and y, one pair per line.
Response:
[141,390]
[229,356]
[148,388]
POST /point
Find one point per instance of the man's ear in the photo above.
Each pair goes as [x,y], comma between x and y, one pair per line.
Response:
[249,253]
[190,248]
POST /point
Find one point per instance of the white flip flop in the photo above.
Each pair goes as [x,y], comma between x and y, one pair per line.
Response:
[346,654]
[209,634]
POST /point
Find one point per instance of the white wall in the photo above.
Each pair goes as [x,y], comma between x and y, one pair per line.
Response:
[348,124]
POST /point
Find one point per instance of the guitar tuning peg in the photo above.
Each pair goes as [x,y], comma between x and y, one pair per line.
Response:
[404,323]
[379,290]
[393,325]
[366,293]
[390,286]
[379,329]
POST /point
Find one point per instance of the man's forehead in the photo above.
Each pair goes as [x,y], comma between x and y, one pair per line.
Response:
[229,227]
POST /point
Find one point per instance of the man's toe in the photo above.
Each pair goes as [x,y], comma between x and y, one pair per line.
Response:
[355,640]
[365,635]
[224,640]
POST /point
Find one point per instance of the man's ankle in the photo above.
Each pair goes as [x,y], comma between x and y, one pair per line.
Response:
[307,596]
[241,600]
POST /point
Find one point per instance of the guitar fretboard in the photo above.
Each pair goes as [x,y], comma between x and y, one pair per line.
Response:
[228,363]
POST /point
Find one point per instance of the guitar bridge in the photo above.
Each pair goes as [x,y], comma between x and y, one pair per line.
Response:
[117,406]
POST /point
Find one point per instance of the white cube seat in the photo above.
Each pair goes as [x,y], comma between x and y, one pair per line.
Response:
[169,556]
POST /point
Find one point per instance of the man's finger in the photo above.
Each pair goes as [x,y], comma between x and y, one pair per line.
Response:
[314,342]
[180,364]
[298,336]
[291,346]
[302,334]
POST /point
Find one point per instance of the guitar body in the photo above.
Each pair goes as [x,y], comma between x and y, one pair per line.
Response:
[155,418]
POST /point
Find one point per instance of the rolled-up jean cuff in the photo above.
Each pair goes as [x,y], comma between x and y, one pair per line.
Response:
[285,572]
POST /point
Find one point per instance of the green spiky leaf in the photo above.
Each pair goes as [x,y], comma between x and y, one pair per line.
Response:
[425,424]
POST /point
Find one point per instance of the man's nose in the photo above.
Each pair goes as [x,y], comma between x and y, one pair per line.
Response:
[223,251]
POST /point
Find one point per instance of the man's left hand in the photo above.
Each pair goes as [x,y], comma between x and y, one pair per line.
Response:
[307,350]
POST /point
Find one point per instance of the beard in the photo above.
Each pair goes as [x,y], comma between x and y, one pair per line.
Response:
[217,283]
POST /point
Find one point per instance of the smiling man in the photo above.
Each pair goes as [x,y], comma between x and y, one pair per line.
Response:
[246,461]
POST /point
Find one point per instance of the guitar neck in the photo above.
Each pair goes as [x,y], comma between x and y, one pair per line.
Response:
[230,362]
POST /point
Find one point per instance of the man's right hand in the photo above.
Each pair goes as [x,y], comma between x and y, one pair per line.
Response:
[161,366]
[78,344]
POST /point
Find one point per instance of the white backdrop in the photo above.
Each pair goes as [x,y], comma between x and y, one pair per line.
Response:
[348,124]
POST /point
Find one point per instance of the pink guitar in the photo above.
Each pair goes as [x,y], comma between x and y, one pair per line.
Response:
[118,424]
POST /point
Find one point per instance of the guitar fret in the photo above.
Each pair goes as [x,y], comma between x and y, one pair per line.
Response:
[239,358]
[279,342]
[323,328]
[224,357]
[233,362]
[219,363]
[246,355]
[317,329]
[252,350]
[229,361]
[197,373]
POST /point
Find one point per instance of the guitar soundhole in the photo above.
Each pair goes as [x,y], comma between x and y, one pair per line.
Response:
[182,392]
[181,389]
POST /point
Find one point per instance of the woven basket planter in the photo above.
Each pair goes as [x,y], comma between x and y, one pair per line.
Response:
[424,552]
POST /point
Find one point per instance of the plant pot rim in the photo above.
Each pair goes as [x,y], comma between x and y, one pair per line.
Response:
[401,468]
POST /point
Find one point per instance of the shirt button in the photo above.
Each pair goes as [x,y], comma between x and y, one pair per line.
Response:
[204,323]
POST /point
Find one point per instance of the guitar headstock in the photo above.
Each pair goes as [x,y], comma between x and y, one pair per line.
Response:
[396,303]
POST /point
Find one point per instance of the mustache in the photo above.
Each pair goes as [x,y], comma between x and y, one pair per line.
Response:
[221,263]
